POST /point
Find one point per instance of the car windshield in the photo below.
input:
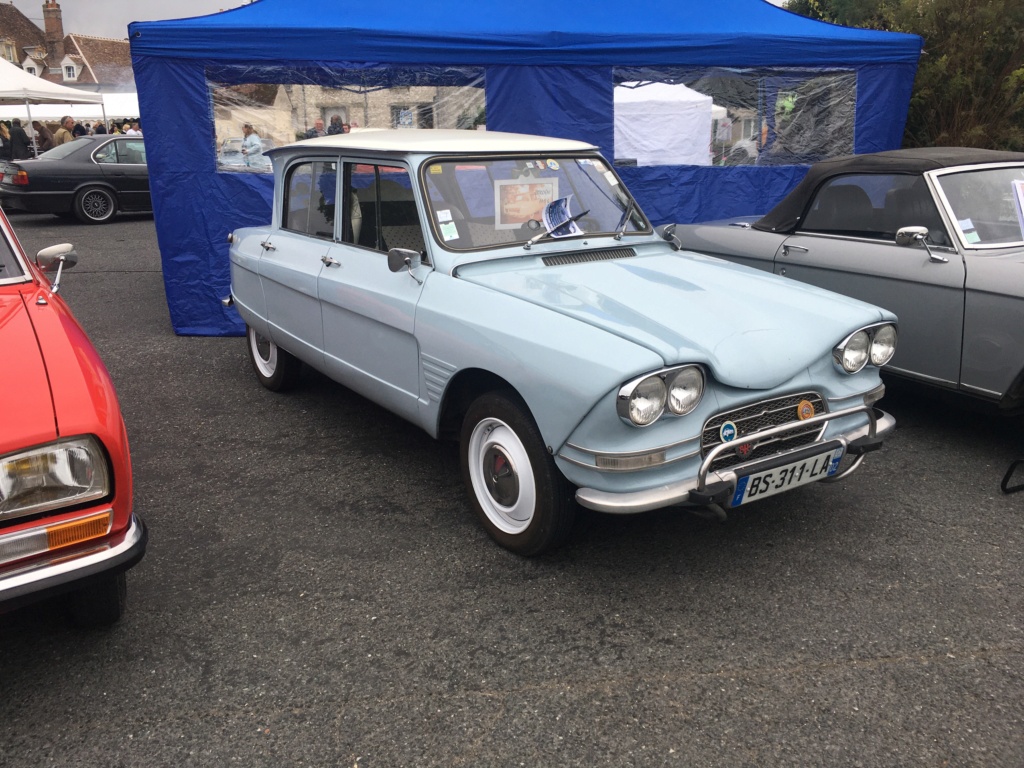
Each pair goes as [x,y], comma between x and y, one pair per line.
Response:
[986,204]
[485,203]
[10,269]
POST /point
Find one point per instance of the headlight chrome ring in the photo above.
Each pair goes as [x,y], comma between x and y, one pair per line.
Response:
[875,344]
[644,400]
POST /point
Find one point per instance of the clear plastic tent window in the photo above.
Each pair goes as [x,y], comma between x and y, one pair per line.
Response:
[324,102]
[729,117]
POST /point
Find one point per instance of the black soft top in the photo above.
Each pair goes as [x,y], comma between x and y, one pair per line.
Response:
[785,216]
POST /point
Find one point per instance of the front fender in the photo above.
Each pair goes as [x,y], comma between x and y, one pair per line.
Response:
[561,367]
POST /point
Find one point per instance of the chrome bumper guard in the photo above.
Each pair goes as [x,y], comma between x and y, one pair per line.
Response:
[715,487]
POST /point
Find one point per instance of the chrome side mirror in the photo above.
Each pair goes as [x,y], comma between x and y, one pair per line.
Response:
[56,257]
[404,258]
[910,235]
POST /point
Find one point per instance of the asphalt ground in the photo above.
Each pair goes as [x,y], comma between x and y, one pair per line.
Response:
[317,593]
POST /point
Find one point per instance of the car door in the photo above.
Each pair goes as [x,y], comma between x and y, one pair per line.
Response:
[293,257]
[846,243]
[122,161]
[368,310]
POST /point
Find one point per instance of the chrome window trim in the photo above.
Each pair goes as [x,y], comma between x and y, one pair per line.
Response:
[934,178]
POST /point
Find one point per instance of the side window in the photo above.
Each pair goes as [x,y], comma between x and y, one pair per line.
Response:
[381,210]
[132,151]
[309,198]
[875,205]
[107,153]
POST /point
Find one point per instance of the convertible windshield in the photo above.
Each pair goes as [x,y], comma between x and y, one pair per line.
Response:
[487,203]
[985,204]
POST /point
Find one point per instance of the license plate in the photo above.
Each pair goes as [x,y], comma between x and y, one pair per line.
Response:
[760,485]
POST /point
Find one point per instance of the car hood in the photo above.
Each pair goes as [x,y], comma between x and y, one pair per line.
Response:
[752,329]
[27,411]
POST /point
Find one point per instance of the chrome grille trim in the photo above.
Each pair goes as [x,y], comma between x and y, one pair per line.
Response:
[604,254]
[760,416]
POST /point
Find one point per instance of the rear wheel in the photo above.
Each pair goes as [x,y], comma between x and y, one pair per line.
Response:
[276,369]
[516,490]
[99,604]
[95,205]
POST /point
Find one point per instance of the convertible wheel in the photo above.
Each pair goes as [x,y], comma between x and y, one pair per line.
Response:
[521,498]
[100,604]
[95,205]
[276,369]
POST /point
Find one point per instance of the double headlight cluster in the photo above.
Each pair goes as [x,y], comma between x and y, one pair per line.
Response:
[875,344]
[643,401]
[47,477]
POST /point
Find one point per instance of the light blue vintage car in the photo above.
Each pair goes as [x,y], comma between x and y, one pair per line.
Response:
[506,291]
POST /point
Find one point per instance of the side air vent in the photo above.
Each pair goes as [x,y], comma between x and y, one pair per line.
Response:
[605,254]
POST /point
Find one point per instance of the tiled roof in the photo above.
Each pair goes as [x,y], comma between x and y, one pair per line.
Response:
[106,61]
[15,26]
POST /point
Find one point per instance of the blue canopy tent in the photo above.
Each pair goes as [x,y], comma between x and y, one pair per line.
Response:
[547,69]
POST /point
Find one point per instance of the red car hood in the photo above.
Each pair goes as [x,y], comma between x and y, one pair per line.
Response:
[27,416]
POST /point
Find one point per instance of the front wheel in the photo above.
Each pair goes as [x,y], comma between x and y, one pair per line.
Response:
[276,369]
[95,205]
[516,490]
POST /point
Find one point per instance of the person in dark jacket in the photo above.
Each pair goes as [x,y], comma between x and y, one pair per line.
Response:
[21,147]
[44,137]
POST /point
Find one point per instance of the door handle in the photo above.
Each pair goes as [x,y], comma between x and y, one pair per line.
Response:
[329,262]
[787,248]
[267,246]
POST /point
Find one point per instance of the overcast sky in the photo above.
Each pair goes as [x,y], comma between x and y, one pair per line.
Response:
[110,18]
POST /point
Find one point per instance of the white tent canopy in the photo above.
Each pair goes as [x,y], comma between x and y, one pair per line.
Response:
[19,87]
[662,124]
[115,106]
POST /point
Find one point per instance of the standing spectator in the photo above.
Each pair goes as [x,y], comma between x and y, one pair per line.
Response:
[134,130]
[252,147]
[316,130]
[335,126]
[99,128]
[5,142]
[20,143]
[113,128]
[44,138]
[79,130]
[63,134]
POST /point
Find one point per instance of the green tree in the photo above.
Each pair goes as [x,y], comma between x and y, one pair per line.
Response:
[969,89]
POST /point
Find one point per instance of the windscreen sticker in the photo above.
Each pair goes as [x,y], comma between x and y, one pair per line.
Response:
[444,215]
[610,178]
[553,165]
[449,231]
[436,170]
[970,234]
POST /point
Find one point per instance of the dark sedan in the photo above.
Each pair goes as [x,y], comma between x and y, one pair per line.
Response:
[92,178]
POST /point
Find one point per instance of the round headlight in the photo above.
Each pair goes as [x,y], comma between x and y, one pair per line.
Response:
[647,402]
[854,354]
[883,345]
[685,388]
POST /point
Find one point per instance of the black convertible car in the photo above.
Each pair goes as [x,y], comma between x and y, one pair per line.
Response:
[92,177]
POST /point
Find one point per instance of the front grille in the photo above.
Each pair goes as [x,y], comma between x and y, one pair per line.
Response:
[759,416]
[603,254]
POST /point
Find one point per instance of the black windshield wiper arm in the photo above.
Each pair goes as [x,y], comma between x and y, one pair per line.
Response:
[625,219]
[547,232]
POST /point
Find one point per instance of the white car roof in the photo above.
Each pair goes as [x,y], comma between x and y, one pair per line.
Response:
[440,140]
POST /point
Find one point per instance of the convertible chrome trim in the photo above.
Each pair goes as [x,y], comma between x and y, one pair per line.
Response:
[677,494]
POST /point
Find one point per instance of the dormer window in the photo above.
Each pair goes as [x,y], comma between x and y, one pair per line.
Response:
[69,72]
[30,70]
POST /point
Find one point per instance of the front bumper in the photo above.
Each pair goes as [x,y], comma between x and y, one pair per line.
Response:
[68,569]
[708,487]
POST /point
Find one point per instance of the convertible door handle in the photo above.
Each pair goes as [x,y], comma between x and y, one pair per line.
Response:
[787,248]
[327,260]
[267,246]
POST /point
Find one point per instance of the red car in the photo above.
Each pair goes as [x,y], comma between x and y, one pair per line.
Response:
[66,519]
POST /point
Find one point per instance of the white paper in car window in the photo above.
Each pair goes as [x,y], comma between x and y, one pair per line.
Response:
[444,215]
[449,231]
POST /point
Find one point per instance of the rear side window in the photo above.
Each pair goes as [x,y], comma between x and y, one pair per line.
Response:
[309,199]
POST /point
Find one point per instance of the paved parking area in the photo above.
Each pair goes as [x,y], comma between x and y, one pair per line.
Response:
[317,593]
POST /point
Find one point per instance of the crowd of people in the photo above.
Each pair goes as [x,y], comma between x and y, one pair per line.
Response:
[16,143]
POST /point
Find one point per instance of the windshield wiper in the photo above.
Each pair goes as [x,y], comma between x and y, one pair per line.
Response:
[625,219]
[547,232]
